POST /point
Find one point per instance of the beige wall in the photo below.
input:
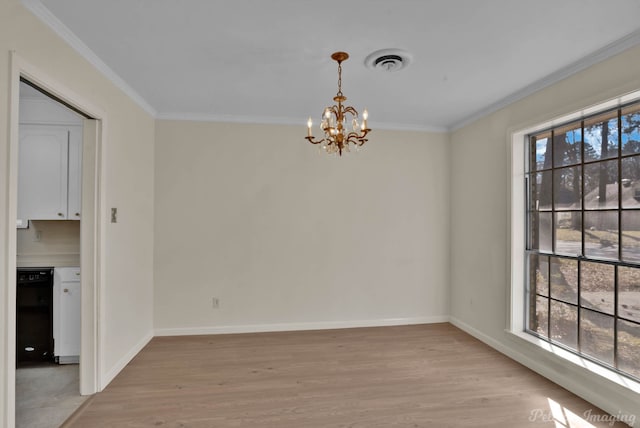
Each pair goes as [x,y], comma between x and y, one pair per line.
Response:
[287,237]
[128,184]
[480,184]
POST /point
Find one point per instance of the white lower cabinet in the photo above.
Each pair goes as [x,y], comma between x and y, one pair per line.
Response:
[66,315]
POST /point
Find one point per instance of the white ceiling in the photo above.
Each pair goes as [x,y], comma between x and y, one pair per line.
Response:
[268,61]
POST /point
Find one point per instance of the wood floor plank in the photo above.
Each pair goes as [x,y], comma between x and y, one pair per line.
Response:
[407,376]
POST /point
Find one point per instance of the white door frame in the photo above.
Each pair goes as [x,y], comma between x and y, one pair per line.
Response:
[91,233]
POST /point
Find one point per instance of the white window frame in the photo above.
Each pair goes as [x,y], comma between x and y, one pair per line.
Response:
[518,225]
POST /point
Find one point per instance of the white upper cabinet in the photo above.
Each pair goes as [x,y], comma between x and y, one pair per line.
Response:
[49,172]
[43,172]
[74,185]
[50,159]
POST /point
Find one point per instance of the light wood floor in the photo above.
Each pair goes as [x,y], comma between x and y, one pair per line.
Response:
[410,376]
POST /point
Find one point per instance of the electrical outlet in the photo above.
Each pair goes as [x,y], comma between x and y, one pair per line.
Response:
[215,302]
[37,236]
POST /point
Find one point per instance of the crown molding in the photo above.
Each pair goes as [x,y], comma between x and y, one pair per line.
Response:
[600,55]
[41,12]
[390,126]
[230,118]
[265,120]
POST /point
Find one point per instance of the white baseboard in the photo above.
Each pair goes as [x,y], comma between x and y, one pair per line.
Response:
[122,362]
[486,339]
[320,325]
[599,398]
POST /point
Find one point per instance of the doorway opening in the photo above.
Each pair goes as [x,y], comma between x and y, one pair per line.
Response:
[48,289]
[84,250]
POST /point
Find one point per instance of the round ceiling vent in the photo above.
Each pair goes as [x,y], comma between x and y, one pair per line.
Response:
[388,60]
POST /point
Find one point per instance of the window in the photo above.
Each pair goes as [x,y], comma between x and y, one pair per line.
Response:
[583,237]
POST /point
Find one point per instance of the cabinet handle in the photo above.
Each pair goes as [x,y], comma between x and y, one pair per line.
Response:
[60,215]
[66,290]
[77,214]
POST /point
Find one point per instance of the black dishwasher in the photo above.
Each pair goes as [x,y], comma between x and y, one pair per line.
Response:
[34,315]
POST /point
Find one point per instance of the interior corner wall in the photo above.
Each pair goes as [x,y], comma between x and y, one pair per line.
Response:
[290,238]
[480,208]
[128,146]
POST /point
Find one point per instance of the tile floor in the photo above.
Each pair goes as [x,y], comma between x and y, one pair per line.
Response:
[46,395]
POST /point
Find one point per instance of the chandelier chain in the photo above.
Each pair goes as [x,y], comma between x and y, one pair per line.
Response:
[339,78]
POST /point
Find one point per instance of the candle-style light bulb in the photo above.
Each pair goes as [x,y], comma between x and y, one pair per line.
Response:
[309,123]
[365,115]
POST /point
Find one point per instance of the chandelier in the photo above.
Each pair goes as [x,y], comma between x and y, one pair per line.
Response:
[334,120]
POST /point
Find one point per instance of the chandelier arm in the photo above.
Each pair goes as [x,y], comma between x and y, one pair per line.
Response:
[356,139]
[350,109]
[312,141]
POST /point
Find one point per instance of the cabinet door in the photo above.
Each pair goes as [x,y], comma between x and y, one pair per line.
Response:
[66,313]
[70,319]
[42,172]
[74,206]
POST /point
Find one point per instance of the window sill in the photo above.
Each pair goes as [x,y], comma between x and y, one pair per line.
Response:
[595,368]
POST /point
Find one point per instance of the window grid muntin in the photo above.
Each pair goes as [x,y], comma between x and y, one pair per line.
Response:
[531,163]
